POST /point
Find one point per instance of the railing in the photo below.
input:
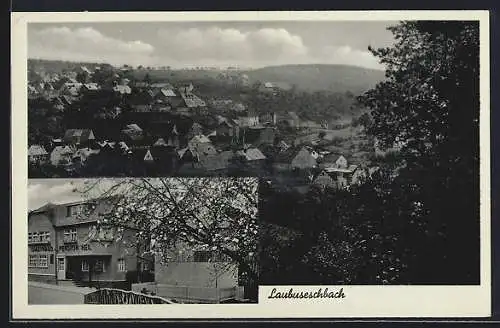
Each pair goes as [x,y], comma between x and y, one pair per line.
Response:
[118,296]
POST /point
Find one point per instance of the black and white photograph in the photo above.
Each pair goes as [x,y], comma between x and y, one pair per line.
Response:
[142,241]
[246,159]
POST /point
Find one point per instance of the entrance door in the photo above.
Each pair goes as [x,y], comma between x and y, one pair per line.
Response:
[61,268]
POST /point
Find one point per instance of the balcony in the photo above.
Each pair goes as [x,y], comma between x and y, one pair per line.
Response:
[39,242]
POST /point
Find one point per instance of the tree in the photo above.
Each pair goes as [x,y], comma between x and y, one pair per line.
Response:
[429,103]
[216,214]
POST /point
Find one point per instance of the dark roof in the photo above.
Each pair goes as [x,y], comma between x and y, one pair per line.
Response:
[218,161]
[83,134]
[287,156]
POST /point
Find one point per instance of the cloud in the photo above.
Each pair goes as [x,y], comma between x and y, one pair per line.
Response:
[194,46]
[86,43]
[346,55]
[42,192]
[216,44]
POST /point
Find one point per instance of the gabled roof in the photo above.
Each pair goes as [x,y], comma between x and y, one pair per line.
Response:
[63,150]
[160,142]
[349,169]
[84,134]
[122,89]
[192,100]
[252,154]
[133,127]
[161,85]
[168,92]
[200,139]
[331,158]
[287,156]
[148,156]
[85,152]
[219,161]
[36,150]
[92,86]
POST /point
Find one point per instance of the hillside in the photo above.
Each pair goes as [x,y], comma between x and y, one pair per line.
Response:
[317,77]
[336,78]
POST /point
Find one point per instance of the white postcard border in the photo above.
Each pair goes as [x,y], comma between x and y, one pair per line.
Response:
[360,301]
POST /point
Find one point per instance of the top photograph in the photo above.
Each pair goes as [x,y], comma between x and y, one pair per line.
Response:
[303,102]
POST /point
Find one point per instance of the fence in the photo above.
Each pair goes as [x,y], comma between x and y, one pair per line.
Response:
[191,294]
[118,296]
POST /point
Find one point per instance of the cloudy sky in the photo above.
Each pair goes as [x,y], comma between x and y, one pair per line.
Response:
[43,191]
[184,44]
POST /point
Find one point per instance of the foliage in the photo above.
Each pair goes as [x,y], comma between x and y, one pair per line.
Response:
[217,214]
[429,103]
[416,219]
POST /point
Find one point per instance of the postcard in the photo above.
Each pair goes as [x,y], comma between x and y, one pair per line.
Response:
[203,165]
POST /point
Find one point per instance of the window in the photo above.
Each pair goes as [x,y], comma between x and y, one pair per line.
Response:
[43,261]
[35,238]
[85,266]
[45,236]
[74,210]
[105,233]
[33,261]
[145,266]
[99,266]
[70,235]
[51,258]
[122,267]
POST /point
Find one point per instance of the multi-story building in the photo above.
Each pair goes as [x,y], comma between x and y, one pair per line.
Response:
[66,243]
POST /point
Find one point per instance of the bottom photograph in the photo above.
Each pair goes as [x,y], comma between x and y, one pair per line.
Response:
[143,241]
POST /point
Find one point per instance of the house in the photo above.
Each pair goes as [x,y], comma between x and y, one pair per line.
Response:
[333,161]
[37,154]
[252,117]
[195,130]
[225,128]
[324,180]
[268,118]
[186,155]
[282,160]
[186,88]
[161,85]
[83,154]
[79,136]
[289,118]
[267,136]
[160,143]
[90,87]
[343,176]
[304,159]
[238,107]
[200,145]
[133,132]
[71,89]
[283,146]
[274,87]
[122,89]
[252,158]
[62,155]
[191,100]
[67,245]
[216,162]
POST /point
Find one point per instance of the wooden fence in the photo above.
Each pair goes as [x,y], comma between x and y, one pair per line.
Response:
[118,296]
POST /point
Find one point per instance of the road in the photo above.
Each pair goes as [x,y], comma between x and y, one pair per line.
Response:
[39,293]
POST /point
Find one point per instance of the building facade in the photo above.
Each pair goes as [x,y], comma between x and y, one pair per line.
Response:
[65,243]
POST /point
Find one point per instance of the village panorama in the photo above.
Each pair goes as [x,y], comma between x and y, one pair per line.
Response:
[365,175]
